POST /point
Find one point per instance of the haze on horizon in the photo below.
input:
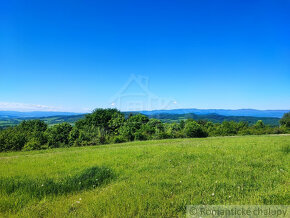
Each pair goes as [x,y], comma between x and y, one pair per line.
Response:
[144,55]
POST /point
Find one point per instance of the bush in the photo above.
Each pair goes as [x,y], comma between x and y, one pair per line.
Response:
[192,129]
[58,135]
[140,136]
[109,125]
[119,139]
[12,139]
[102,118]
[32,144]
[285,120]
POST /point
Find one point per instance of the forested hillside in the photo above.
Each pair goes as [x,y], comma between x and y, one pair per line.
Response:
[164,117]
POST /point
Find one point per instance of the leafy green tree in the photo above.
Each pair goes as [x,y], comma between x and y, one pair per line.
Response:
[12,139]
[32,144]
[228,128]
[193,129]
[116,122]
[260,124]
[102,118]
[136,121]
[58,135]
[182,124]
[153,126]
[130,130]
[32,126]
[126,132]
[73,136]
[285,120]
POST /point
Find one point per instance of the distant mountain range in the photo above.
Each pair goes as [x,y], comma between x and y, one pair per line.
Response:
[269,117]
[18,114]
[224,112]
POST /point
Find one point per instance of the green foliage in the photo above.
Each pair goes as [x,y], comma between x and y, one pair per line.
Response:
[32,144]
[105,126]
[119,139]
[102,118]
[12,139]
[193,130]
[58,135]
[285,120]
[15,138]
[259,124]
[33,126]
[131,129]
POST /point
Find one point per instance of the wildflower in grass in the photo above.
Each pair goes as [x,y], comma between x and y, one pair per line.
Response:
[230,196]
[80,182]
[42,185]
[78,202]
[80,199]
[212,194]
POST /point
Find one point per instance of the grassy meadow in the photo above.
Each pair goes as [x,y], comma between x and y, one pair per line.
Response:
[149,178]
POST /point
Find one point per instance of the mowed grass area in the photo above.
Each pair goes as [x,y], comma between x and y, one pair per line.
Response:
[150,178]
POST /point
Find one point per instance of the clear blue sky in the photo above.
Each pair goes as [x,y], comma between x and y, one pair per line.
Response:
[77,55]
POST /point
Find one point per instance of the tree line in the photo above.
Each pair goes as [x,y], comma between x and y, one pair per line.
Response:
[104,126]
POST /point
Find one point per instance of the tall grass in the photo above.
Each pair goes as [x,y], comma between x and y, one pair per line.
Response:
[145,179]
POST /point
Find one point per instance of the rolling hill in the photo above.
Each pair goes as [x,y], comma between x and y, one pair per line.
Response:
[164,117]
[224,112]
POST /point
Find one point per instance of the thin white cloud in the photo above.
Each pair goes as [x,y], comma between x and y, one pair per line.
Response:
[15,106]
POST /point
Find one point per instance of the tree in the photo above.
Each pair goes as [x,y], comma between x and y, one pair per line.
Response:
[153,126]
[58,135]
[285,120]
[116,122]
[32,126]
[12,139]
[182,124]
[193,129]
[130,130]
[259,124]
[101,118]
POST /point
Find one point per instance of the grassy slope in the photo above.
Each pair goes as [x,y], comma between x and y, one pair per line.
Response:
[154,177]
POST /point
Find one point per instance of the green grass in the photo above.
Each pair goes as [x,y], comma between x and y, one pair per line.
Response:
[151,178]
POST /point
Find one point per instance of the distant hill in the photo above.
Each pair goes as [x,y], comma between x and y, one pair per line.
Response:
[18,114]
[164,117]
[51,120]
[224,112]
[215,118]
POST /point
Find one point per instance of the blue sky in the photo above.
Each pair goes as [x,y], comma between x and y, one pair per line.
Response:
[78,55]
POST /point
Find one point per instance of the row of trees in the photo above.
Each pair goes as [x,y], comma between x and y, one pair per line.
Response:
[110,126]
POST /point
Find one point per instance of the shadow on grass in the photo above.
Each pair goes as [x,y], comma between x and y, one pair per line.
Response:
[39,188]
[286,149]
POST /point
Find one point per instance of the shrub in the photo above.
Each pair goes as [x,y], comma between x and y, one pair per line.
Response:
[285,120]
[119,139]
[140,136]
[58,135]
[193,129]
[32,144]
[102,118]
